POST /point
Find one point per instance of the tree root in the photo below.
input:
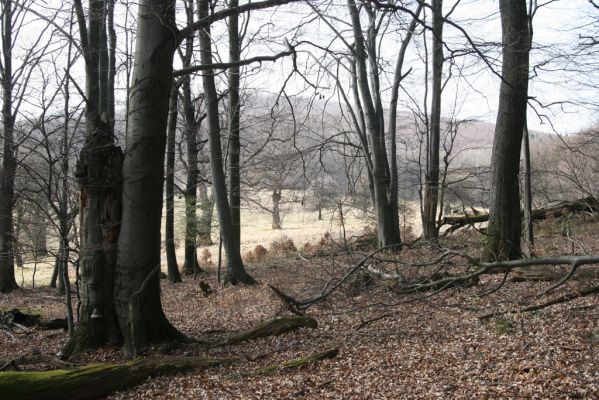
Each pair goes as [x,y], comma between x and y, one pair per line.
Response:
[92,381]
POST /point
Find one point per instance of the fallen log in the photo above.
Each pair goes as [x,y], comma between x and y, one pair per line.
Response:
[291,364]
[92,381]
[587,204]
[20,318]
[273,327]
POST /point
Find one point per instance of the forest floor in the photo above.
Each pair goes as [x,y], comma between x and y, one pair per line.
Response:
[422,346]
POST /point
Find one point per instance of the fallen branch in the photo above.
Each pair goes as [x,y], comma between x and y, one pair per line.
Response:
[273,327]
[13,365]
[561,299]
[93,381]
[330,288]
[291,364]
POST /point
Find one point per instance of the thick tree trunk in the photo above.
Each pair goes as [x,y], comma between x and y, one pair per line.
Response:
[9,162]
[504,230]
[99,174]
[430,229]
[171,257]
[92,381]
[236,272]
[139,239]
[99,170]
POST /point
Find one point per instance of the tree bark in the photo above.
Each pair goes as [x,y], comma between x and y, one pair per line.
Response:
[191,131]
[93,381]
[8,282]
[504,229]
[386,216]
[234,117]
[205,220]
[171,256]
[276,209]
[99,174]
[143,168]
[430,229]
[236,272]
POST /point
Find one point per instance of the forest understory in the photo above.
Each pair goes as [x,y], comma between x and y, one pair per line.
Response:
[390,346]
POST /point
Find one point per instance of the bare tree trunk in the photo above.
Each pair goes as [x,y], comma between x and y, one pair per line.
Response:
[191,131]
[527,198]
[205,220]
[171,256]
[8,282]
[236,272]
[505,218]
[386,216]
[234,116]
[137,287]
[276,209]
[99,174]
[431,185]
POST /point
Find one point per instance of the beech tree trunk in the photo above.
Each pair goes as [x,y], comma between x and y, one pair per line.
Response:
[505,218]
[205,220]
[99,174]
[191,131]
[370,100]
[430,229]
[171,256]
[236,272]
[9,162]
[234,116]
[139,240]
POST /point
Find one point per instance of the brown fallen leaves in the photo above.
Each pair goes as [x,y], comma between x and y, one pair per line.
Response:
[430,348]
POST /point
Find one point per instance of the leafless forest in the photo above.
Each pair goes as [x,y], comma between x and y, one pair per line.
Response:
[344,199]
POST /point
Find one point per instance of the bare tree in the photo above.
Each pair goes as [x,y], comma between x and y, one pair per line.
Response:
[504,229]
[15,80]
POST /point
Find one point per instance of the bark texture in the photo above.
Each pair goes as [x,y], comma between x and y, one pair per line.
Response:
[236,272]
[430,230]
[171,256]
[139,240]
[368,96]
[9,162]
[98,172]
[93,381]
[504,230]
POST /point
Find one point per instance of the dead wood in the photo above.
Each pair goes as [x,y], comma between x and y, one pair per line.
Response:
[558,300]
[18,318]
[587,204]
[14,364]
[92,381]
[273,327]
[292,364]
